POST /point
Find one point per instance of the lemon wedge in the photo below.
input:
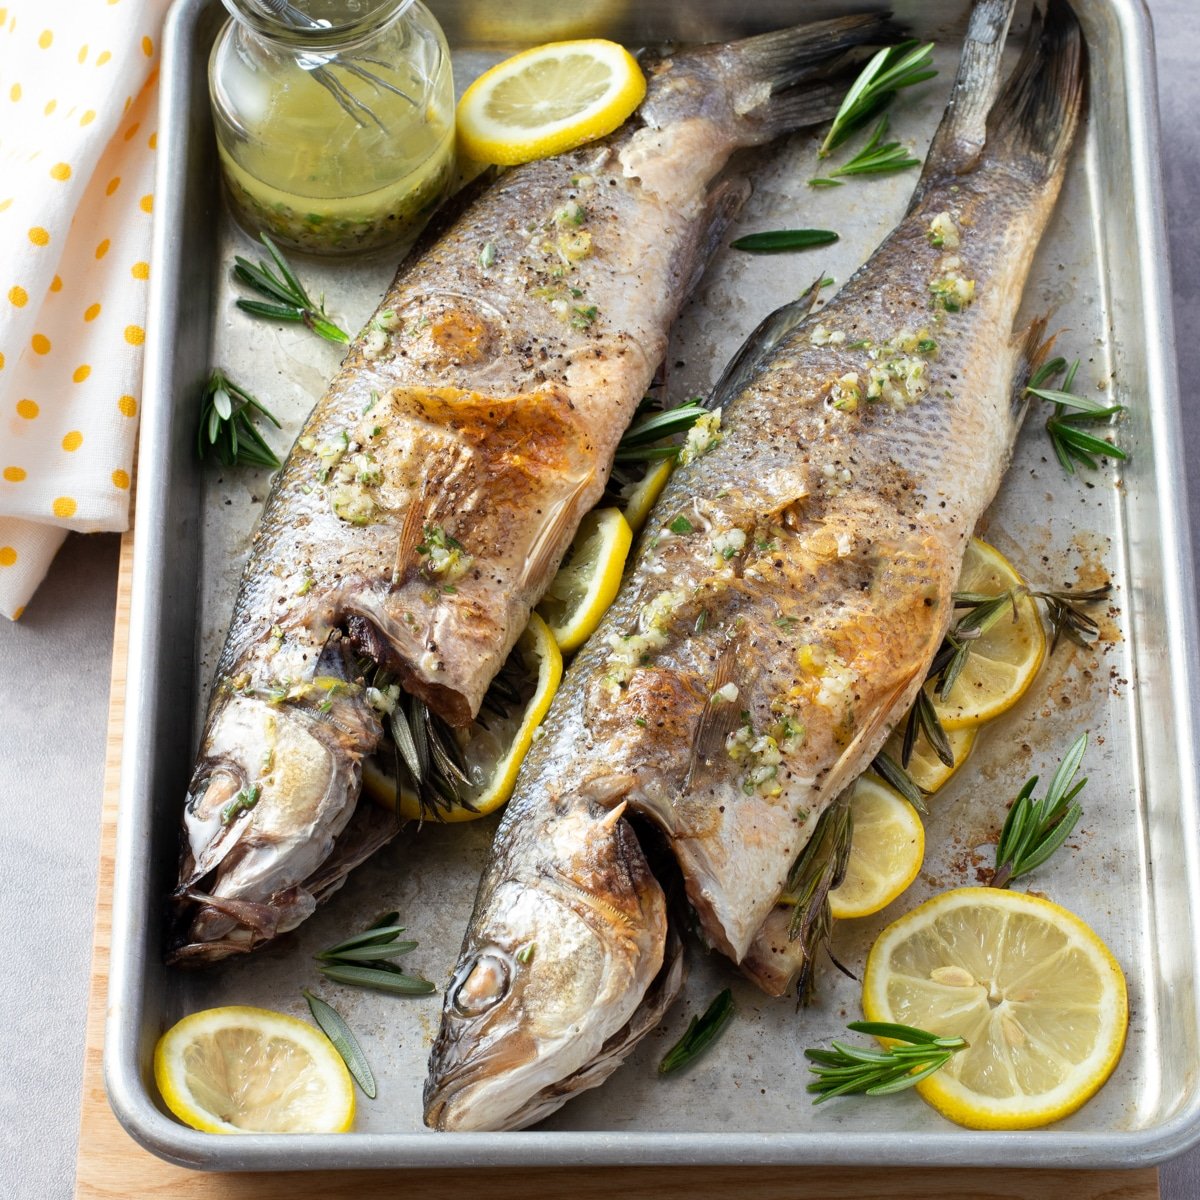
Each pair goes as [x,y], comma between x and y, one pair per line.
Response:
[492,753]
[548,100]
[645,492]
[1005,659]
[251,1070]
[924,768]
[886,850]
[589,578]
[1035,992]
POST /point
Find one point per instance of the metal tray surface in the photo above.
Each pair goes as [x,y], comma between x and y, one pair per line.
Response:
[1131,869]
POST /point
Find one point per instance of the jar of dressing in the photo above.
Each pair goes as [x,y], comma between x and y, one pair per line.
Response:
[334,119]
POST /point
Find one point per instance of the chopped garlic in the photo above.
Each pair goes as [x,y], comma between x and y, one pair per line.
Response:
[375,343]
[701,438]
[943,231]
[729,543]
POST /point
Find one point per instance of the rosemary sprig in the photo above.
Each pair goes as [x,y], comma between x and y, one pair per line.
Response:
[818,869]
[774,241]
[873,159]
[875,88]
[361,961]
[1034,829]
[1066,617]
[344,1042]
[1065,613]
[227,426]
[1067,430]
[701,1032]
[290,302]
[427,757]
[852,1070]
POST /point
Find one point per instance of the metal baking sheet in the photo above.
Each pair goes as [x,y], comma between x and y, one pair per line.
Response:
[1131,869]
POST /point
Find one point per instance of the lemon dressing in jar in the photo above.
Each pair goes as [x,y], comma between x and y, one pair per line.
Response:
[334,120]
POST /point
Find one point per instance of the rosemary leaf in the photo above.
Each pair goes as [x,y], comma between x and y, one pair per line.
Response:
[376,934]
[279,312]
[344,1042]
[1070,400]
[644,440]
[370,952]
[663,424]
[888,769]
[1035,829]
[701,1032]
[776,240]
[888,71]
[377,978]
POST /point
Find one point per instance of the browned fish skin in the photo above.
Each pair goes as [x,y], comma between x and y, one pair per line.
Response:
[437,484]
[794,589]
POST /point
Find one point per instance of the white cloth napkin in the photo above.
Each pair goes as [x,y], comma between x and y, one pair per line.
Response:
[78,118]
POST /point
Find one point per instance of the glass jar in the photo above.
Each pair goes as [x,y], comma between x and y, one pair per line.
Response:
[334,119]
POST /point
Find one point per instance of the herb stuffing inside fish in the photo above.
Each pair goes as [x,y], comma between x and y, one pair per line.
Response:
[777,623]
[436,486]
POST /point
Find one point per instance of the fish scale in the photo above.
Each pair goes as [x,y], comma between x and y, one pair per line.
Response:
[761,650]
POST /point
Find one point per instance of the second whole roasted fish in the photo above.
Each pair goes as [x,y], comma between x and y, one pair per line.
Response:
[776,625]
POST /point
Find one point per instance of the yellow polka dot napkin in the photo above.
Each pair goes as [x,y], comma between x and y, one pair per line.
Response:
[77,136]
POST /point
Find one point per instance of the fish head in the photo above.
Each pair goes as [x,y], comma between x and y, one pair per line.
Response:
[555,964]
[275,786]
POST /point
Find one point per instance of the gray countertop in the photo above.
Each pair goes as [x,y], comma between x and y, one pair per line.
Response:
[54,670]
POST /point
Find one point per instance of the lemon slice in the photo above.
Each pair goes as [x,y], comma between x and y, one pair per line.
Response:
[251,1070]
[548,100]
[924,768]
[645,492]
[492,751]
[588,581]
[1035,992]
[1004,660]
[886,851]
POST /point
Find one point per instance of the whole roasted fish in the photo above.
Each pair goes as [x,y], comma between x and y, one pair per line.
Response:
[437,484]
[777,623]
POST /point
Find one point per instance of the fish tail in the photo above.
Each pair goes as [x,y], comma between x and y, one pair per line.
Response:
[782,79]
[1035,119]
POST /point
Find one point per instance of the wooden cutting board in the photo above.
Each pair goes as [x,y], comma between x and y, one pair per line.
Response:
[112,1166]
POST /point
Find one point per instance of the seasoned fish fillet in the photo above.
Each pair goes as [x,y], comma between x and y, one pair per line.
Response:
[779,619]
[437,484]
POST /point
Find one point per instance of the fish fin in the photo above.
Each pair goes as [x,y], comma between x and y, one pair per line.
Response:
[960,138]
[1034,348]
[411,533]
[857,756]
[722,206]
[757,349]
[1034,120]
[548,547]
[785,58]
[718,716]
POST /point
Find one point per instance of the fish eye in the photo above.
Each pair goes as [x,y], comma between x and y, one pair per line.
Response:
[479,985]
